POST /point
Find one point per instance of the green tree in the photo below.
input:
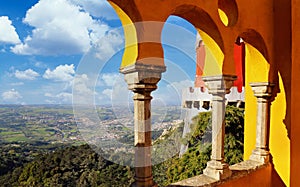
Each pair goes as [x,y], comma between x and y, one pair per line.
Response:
[193,162]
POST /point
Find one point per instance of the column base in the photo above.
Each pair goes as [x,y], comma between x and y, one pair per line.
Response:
[260,155]
[144,182]
[217,170]
[135,184]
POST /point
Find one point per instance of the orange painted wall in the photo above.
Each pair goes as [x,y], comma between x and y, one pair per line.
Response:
[295,119]
[264,177]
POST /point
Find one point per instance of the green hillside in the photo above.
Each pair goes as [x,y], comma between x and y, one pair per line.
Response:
[81,166]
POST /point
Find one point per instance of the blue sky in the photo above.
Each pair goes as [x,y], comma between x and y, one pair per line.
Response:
[42,44]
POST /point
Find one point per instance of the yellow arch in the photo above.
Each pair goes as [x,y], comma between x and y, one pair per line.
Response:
[131,44]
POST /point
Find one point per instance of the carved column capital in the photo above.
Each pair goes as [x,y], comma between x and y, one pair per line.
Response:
[219,84]
[262,89]
[142,77]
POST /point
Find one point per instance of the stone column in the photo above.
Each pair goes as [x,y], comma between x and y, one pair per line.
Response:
[142,80]
[218,86]
[263,92]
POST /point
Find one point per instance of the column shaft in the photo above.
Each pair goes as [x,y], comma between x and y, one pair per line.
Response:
[218,127]
[263,107]
[142,79]
[263,93]
[218,86]
[142,139]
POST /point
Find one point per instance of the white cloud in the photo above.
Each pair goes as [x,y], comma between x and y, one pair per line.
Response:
[109,79]
[83,84]
[108,45]
[83,89]
[86,92]
[11,96]
[65,97]
[39,64]
[48,95]
[179,86]
[48,101]
[8,31]
[61,98]
[171,93]
[117,94]
[98,8]
[28,74]
[17,84]
[60,73]
[120,94]
[107,92]
[61,28]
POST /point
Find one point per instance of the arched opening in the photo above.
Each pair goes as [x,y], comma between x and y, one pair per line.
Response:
[209,33]
[257,70]
[208,53]
[178,42]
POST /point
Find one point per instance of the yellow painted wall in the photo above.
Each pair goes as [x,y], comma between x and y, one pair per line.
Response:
[131,47]
[256,71]
[279,141]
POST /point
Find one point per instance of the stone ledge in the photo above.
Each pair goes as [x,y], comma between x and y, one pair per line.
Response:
[239,170]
